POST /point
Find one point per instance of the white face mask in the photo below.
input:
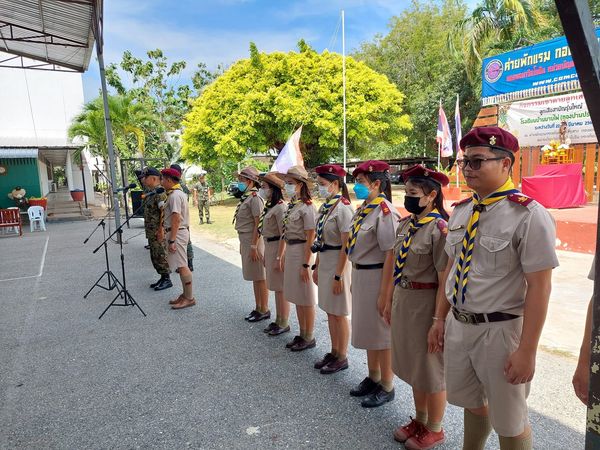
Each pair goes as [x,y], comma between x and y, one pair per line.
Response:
[290,189]
[324,191]
[265,193]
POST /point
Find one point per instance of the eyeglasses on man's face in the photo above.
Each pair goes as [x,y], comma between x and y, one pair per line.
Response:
[475,163]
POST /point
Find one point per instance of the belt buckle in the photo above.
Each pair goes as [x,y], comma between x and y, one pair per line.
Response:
[465,317]
[404,283]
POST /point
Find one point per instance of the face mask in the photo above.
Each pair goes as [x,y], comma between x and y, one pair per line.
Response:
[324,191]
[290,189]
[361,191]
[412,205]
[264,193]
[242,186]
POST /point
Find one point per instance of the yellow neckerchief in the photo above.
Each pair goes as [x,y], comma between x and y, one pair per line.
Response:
[414,227]
[466,252]
[174,188]
[360,218]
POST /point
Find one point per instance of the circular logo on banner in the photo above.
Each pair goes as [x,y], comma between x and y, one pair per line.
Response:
[493,70]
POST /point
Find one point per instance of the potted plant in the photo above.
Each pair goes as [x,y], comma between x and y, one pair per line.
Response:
[38,201]
[77,195]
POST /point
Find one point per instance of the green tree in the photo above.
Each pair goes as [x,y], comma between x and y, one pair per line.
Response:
[414,55]
[258,102]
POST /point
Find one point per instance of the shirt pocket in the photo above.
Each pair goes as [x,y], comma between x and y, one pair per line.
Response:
[493,257]
[454,239]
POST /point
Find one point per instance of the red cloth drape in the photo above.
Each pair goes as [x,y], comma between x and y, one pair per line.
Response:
[556,185]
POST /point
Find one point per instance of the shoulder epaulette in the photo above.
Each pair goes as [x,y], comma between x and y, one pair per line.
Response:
[442,226]
[520,199]
[345,201]
[280,202]
[308,202]
[466,200]
[385,208]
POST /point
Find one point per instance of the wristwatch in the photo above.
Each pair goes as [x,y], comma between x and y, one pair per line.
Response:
[337,278]
[306,266]
[171,242]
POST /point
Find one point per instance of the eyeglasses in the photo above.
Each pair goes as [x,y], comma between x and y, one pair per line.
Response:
[475,163]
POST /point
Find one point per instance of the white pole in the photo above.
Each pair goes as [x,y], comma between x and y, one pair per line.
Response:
[457,144]
[344,83]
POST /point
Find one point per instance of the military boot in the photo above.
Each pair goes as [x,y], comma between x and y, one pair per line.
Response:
[156,283]
[164,283]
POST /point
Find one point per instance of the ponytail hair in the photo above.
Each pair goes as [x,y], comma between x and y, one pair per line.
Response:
[428,185]
[276,195]
[341,183]
[386,183]
[305,192]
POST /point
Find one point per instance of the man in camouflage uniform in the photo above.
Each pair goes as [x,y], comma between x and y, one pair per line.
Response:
[153,205]
[202,198]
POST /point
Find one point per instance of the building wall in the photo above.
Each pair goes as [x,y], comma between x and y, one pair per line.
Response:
[20,172]
[43,177]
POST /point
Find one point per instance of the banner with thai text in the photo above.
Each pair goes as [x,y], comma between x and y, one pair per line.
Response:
[537,70]
[537,122]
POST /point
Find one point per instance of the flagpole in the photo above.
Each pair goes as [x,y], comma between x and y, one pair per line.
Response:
[344,84]
[439,141]
[457,122]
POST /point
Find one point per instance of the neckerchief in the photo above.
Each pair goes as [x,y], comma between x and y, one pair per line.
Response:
[261,221]
[359,219]
[466,252]
[174,188]
[286,217]
[414,227]
[244,196]
[326,209]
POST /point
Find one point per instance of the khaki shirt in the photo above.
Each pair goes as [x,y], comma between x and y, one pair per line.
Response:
[301,218]
[177,202]
[250,209]
[426,254]
[338,221]
[376,236]
[273,221]
[512,239]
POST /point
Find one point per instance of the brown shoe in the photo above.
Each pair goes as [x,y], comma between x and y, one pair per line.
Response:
[335,366]
[176,300]
[325,360]
[185,303]
[304,345]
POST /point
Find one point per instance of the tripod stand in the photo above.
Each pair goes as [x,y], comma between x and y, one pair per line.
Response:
[123,293]
[113,281]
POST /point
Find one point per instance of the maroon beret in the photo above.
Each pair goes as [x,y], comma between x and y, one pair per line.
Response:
[418,171]
[371,166]
[493,137]
[173,173]
[330,169]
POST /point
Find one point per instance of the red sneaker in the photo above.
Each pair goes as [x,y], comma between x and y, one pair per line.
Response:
[425,439]
[402,434]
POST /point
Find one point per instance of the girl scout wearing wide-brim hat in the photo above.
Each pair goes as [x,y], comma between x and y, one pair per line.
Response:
[332,274]
[252,248]
[299,234]
[270,227]
[371,251]
[420,260]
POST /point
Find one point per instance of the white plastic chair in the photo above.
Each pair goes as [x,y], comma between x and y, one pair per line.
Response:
[36,218]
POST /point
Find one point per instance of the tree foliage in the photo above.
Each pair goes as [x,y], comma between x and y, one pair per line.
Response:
[258,102]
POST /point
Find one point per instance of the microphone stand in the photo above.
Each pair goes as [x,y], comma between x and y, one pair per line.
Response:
[113,281]
[123,293]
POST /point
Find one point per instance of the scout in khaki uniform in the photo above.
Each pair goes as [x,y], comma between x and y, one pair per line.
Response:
[501,254]
[270,226]
[371,251]
[420,262]
[299,234]
[153,217]
[202,198]
[176,226]
[332,274]
[581,378]
[252,247]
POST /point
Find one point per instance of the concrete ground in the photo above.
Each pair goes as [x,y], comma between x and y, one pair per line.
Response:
[202,377]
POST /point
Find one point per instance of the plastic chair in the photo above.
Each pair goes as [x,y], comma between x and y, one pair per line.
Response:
[36,218]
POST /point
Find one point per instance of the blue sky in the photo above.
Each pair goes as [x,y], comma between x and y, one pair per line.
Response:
[219,31]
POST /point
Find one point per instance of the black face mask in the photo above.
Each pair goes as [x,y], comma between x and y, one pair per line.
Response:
[412,205]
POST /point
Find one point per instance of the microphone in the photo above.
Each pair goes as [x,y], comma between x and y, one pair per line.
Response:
[126,188]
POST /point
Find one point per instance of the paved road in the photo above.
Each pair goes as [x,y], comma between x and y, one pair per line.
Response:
[200,378]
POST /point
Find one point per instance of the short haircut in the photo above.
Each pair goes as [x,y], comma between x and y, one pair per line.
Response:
[500,152]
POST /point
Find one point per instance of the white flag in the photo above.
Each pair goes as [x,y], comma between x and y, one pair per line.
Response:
[290,154]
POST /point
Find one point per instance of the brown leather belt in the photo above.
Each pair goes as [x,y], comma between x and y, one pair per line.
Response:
[181,228]
[477,318]
[273,238]
[367,266]
[296,241]
[405,284]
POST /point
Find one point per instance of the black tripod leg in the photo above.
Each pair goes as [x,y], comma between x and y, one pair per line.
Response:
[97,283]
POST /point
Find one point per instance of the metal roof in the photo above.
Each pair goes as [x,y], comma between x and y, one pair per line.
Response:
[13,153]
[58,33]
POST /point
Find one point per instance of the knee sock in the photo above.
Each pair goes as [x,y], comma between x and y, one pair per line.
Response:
[309,335]
[283,322]
[513,443]
[278,320]
[303,333]
[477,430]
[375,375]
[388,386]
[186,282]
[421,416]
[436,427]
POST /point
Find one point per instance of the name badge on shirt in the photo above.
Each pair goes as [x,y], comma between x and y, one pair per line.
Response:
[459,227]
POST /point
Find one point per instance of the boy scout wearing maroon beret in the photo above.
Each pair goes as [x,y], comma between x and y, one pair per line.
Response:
[501,249]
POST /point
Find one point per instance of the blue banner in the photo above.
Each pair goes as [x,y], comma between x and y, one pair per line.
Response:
[532,71]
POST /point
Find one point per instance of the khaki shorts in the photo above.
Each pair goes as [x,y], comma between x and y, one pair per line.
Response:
[474,358]
[179,258]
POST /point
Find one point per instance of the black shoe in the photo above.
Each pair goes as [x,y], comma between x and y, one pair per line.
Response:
[270,327]
[293,342]
[191,266]
[165,283]
[278,330]
[209,222]
[201,222]
[303,344]
[153,285]
[147,246]
[260,316]
[329,357]
[335,366]
[366,387]
[378,398]
[252,313]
